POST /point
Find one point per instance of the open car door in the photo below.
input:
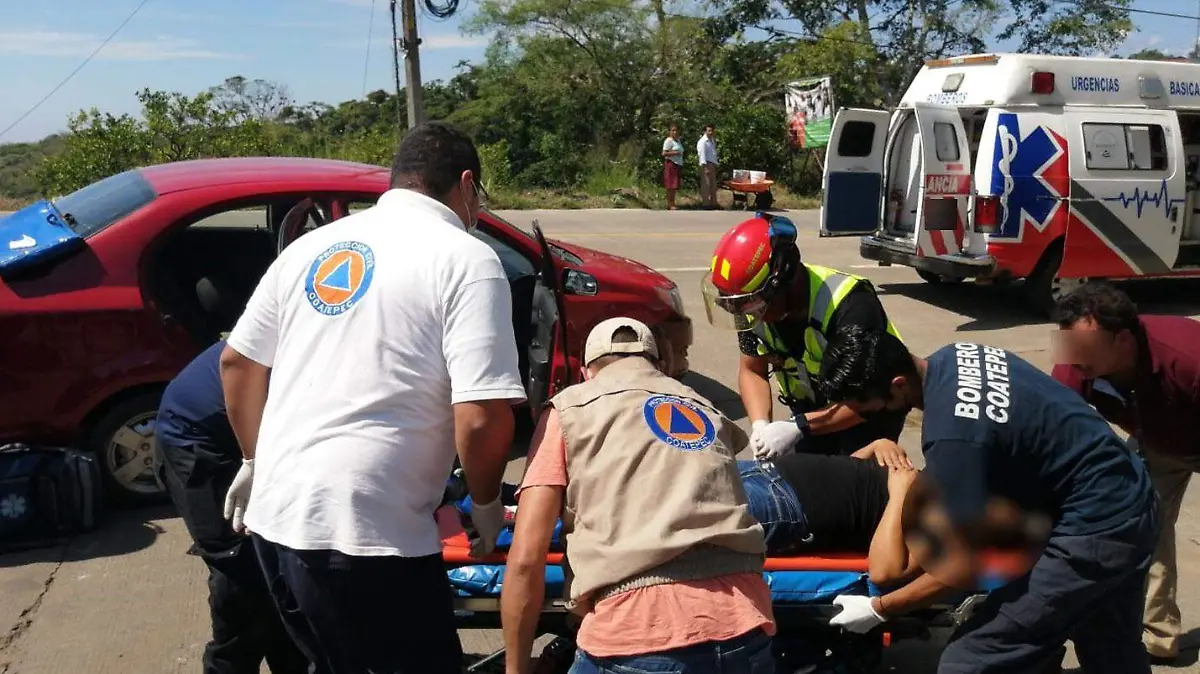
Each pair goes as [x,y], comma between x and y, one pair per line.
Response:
[549,369]
[945,168]
[853,179]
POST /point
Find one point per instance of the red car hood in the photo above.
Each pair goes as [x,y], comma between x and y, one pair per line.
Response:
[614,268]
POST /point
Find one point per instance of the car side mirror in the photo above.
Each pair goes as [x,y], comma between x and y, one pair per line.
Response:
[577,282]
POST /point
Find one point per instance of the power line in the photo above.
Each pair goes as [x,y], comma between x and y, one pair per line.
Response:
[87,60]
[367,58]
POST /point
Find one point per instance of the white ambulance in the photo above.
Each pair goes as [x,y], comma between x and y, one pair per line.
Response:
[1051,169]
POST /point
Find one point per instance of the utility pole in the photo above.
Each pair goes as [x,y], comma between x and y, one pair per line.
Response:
[408,43]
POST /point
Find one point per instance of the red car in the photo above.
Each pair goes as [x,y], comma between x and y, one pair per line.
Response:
[106,293]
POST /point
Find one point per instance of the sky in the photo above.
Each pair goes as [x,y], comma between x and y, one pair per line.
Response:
[317,48]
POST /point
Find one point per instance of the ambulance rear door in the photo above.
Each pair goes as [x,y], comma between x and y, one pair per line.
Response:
[853,179]
[945,178]
[1128,192]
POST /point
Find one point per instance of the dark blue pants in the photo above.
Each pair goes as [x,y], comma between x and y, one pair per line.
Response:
[365,615]
[245,625]
[1088,589]
[776,506]
[746,654]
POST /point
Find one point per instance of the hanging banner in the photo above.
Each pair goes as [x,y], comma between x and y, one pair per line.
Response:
[810,107]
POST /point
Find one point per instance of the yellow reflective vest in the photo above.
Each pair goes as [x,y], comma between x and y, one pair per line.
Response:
[826,290]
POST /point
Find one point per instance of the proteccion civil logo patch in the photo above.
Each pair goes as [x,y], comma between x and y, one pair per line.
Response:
[339,277]
[679,423]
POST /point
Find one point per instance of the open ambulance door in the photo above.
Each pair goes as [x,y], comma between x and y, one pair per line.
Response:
[852,184]
[549,369]
[945,168]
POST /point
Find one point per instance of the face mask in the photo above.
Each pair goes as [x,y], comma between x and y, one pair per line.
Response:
[472,217]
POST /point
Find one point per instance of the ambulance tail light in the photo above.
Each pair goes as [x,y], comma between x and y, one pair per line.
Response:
[987,211]
[1042,82]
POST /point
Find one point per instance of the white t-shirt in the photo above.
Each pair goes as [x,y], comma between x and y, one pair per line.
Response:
[706,149]
[374,326]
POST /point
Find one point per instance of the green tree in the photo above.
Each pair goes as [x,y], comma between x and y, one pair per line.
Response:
[900,35]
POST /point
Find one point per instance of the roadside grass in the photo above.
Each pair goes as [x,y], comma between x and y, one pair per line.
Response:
[636,197]
[12,204]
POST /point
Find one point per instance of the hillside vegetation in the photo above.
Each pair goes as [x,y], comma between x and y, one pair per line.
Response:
[574,98]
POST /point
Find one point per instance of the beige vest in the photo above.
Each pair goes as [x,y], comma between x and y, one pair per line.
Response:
[654,494]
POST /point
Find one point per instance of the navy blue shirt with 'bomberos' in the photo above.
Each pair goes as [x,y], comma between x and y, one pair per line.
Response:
[995,425]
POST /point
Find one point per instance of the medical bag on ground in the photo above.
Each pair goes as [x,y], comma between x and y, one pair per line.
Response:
[46,494]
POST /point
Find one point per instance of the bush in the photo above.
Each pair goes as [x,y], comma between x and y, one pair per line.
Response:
[493,161]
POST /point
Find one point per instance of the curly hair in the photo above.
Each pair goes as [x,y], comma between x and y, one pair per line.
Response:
[1109,307]
[859,365]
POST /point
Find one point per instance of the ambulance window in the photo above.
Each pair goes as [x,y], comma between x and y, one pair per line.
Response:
[1147,147]
[1106,146]
[946,141]
[1125,147]
[856,139]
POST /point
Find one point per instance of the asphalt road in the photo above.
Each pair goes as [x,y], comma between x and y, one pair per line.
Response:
[128,599]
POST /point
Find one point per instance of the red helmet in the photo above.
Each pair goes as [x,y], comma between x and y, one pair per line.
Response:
[751,261]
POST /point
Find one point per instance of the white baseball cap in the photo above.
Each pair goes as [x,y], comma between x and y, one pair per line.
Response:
[600,340]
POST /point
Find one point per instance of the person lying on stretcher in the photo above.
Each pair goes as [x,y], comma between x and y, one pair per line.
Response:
[815,504]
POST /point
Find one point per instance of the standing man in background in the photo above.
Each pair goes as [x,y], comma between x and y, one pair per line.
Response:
[706,150]
[386,339]
[200,457]
[1143,374]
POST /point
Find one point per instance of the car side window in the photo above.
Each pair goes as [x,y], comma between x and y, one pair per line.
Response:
[515,264]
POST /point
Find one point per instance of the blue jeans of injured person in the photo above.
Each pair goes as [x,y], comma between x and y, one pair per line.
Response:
[776,506]
[1088,589]
[749,653]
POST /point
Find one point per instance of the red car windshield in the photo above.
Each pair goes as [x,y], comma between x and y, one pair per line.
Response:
[92,208]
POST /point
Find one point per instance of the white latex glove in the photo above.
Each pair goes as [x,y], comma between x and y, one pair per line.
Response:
[857,614]
[238,496]
[756,429]
[486,521]
[776,439]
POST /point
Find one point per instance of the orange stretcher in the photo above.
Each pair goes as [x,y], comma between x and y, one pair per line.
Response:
[741,189]
[802,590]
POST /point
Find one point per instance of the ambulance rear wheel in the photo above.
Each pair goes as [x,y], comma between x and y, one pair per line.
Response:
[930,277]
[1041,288]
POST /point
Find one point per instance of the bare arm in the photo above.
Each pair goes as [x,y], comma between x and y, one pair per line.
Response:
[754,387]
[524,587]
[245,384]
[483,435]
[832,419]
[889,561]
[921,593]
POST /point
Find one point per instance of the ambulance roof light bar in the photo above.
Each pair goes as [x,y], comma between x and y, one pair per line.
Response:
[1042,82]
[962,60]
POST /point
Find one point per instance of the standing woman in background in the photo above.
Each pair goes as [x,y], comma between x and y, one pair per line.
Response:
[673,161]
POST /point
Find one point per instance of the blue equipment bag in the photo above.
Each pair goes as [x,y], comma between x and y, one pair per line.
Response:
[46,494]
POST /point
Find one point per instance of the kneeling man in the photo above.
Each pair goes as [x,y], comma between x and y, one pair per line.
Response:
[665,559]
[994,427]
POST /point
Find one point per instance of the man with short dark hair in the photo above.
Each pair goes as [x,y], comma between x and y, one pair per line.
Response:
[998,429]
[1143,374]
[706,149]
[665,560]
[386,340]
